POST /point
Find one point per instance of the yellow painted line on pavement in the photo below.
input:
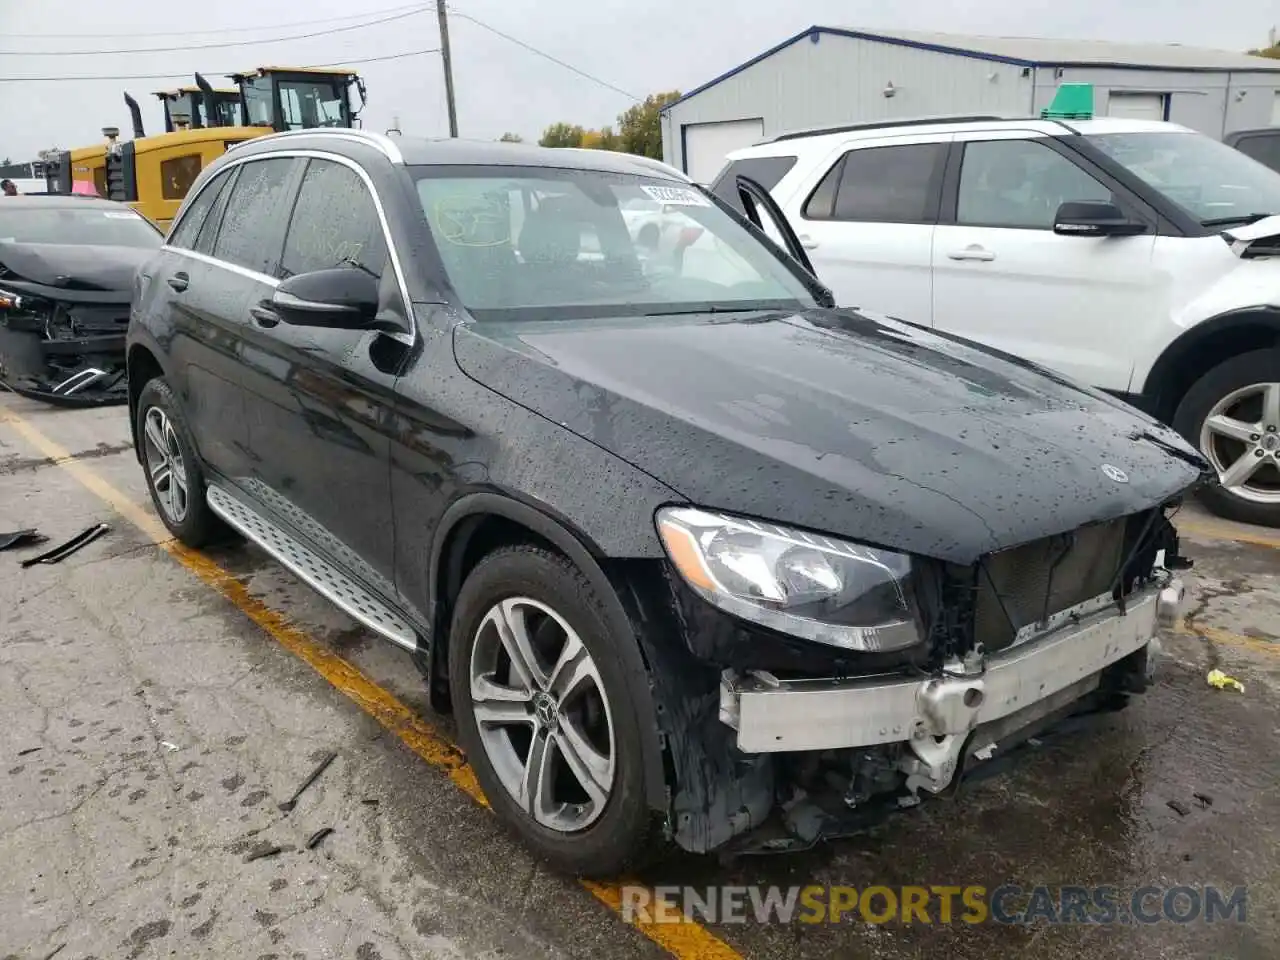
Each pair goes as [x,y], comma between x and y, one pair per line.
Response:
[684,940]
[1190,628]
[1208,530]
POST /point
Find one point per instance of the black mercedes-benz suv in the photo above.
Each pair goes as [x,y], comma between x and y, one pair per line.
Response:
[690,554]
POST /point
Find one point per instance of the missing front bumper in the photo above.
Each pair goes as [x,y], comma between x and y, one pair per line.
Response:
[86,371]
[772,716]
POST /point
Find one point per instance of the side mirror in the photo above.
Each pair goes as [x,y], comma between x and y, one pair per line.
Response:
[344,298]
[1088,218]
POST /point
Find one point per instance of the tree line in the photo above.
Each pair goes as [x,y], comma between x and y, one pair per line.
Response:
[639,130]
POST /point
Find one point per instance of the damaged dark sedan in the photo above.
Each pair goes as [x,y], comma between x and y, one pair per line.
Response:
[66,278]
[692,555]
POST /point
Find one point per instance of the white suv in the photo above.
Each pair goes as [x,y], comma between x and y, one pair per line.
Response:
[1139,257]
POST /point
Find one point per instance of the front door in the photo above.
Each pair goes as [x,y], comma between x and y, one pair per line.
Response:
[318,396]
[1001,276]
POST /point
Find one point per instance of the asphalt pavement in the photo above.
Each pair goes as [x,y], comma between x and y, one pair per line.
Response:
[157,706]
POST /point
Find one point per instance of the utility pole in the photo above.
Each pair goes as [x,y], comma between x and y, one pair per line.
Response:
[448,67]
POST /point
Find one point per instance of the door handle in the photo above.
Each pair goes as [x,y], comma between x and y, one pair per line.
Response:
[179,281]
[808,242]
[974,252]
[264,316]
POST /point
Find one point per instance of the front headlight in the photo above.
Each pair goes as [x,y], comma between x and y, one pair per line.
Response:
[810,586]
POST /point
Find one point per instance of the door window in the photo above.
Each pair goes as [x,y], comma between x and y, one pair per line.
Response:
[1263,147]
[334,224]
[209,231]
[250,236]
[898,184]
[197,213]
[1021,184]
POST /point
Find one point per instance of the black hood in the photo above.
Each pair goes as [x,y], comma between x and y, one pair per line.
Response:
[69,269]
[839,422]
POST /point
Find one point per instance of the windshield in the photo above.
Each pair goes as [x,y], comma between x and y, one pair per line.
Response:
[1216,184]
[312,103]
[540,243]
[92,226]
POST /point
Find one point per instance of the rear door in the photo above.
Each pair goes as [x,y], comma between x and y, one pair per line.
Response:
[866,217]
[240,252]
[197,309]
[318,397]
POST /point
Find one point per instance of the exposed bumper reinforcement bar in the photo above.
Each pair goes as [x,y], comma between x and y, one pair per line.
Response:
[778,715]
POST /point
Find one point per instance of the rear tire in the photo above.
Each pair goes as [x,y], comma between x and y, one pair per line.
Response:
[175,477]
[1232,415]
[601,829]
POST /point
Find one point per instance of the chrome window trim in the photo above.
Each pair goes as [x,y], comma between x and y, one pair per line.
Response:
[225,265]
[406,338]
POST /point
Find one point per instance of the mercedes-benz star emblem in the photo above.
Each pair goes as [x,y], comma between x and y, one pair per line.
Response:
[1115,473]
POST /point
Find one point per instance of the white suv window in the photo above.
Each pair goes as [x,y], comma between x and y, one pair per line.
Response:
[881,185]
[1019,183]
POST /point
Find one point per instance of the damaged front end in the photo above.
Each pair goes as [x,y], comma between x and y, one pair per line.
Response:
[798,741]
[63,345]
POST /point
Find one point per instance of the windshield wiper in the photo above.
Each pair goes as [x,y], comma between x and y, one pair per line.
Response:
[1243,219]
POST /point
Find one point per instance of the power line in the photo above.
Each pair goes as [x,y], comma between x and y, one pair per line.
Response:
[220,44]
[543,54]
[175,76]
[134,34]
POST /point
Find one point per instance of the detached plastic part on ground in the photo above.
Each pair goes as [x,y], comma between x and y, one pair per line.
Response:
[1218,679]
[64,550]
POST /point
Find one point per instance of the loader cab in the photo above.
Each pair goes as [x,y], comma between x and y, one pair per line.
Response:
[187,108]
[296,98]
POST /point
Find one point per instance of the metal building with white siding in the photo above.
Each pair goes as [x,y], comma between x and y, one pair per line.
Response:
[832,75]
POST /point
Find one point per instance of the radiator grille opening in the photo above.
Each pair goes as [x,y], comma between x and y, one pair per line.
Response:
[1065,570]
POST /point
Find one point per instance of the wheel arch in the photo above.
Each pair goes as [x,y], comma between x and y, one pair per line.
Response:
[1203,347]
[142,365]
[478,522]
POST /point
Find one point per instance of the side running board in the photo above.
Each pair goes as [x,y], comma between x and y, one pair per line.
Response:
[323,577]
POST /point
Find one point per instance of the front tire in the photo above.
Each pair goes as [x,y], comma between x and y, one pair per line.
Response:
[1232,414]
[545,712]
[174,475]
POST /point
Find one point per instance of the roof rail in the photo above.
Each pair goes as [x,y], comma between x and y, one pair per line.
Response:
[378,140]
[879,124]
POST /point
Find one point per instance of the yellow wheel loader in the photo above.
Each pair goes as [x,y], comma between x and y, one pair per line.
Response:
[153,173]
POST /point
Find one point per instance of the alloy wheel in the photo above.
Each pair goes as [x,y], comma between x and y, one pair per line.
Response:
[1241,438]
[166,469]
[542,714]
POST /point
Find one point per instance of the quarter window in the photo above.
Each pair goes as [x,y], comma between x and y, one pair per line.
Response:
[250,236]
[334,223]
[1020,184]
[188,228]
[882,185]
[766,171]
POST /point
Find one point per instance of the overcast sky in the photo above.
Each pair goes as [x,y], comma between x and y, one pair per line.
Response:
[639,47]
